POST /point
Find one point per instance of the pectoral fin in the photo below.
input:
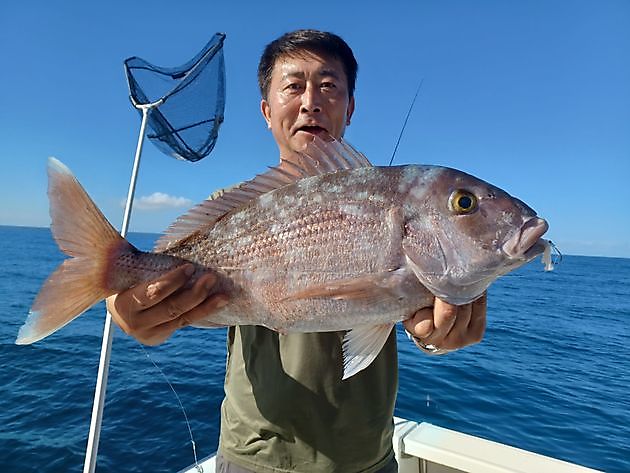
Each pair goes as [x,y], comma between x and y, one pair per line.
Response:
[361,345]
[369,289]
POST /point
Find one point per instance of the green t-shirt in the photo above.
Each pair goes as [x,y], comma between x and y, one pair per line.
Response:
[287,409]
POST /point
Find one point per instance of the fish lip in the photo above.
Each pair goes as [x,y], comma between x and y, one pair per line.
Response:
[527,242]
[536,249]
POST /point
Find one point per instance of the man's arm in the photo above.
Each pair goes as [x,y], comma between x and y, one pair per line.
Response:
[151,312]
[446,327]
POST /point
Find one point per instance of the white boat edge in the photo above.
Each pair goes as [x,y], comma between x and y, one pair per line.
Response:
[427,448]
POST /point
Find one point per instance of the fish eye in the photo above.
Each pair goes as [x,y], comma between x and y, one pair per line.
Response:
[462,202]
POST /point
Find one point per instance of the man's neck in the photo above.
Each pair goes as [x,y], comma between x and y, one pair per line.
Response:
[290,157]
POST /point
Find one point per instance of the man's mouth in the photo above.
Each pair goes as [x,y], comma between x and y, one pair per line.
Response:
[312,129]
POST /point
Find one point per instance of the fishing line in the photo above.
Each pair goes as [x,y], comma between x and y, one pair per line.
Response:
[556,258]
[406,120]
[198,467]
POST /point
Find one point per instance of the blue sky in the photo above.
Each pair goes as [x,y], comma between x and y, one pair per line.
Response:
[531,96]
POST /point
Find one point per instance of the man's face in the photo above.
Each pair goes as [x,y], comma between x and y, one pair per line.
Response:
[308,95]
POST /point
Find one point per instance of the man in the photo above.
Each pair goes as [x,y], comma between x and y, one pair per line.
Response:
[286,407]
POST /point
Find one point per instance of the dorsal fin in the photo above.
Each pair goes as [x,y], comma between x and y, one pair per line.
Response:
[320,157]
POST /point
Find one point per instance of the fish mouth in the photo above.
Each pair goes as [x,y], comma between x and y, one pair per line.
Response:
[527,243]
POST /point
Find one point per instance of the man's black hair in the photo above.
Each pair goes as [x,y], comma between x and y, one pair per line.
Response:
[314,41]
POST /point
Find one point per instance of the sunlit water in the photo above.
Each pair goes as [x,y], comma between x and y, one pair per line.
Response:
[552,374]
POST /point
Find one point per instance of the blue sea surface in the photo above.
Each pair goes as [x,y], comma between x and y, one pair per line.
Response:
[552,374]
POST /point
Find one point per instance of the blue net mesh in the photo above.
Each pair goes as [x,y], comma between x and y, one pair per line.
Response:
[186,124]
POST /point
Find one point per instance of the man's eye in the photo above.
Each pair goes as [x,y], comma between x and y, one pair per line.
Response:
[327,85]
[293,87]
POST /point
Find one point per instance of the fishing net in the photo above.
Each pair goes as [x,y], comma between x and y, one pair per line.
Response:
[191,100]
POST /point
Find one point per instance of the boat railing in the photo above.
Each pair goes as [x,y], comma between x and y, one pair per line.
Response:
[427,448]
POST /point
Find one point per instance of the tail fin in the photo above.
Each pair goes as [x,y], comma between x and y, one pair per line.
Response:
[82,232]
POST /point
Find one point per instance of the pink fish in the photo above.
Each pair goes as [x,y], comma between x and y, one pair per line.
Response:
[329,244]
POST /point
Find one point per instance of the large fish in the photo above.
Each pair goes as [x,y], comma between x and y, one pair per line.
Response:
[332,243]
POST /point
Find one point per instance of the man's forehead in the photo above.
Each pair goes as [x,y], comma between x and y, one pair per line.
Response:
[300,63]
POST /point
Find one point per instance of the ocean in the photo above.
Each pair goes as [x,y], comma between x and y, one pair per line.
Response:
[552,374]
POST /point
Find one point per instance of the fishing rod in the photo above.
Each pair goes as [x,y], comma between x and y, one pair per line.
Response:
[406,120]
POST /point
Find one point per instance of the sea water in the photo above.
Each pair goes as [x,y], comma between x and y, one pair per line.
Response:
[552,374]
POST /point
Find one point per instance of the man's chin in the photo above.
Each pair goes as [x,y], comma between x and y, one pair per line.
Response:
[302,138]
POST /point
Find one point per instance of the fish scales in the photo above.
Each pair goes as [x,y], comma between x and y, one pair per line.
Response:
[337,245]
[279,245]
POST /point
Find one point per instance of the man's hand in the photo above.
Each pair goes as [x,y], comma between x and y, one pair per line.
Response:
[449,327]
[151,312]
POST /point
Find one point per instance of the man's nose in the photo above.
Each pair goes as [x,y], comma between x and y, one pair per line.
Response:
[311,100]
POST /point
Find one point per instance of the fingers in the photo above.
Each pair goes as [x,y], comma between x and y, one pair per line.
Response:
[457,336]
[433,324]
[171,305]
[196,314]
[151,312]
[450,327]
[421,323]
[477,325]
[444,318]
[146,295]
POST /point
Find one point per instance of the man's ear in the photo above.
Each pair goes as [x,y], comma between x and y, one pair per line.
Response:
[265,109]
[350,110]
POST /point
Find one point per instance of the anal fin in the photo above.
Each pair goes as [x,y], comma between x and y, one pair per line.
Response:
[361,346]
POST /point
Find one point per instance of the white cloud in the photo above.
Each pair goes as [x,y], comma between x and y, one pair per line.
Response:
[161,201]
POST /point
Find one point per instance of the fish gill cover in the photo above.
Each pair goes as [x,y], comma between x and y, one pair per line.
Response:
[186,124]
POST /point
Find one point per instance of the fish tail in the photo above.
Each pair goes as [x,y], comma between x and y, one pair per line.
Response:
[82,232]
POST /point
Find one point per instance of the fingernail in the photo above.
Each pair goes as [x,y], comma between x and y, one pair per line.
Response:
[210,282]
[189,270]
